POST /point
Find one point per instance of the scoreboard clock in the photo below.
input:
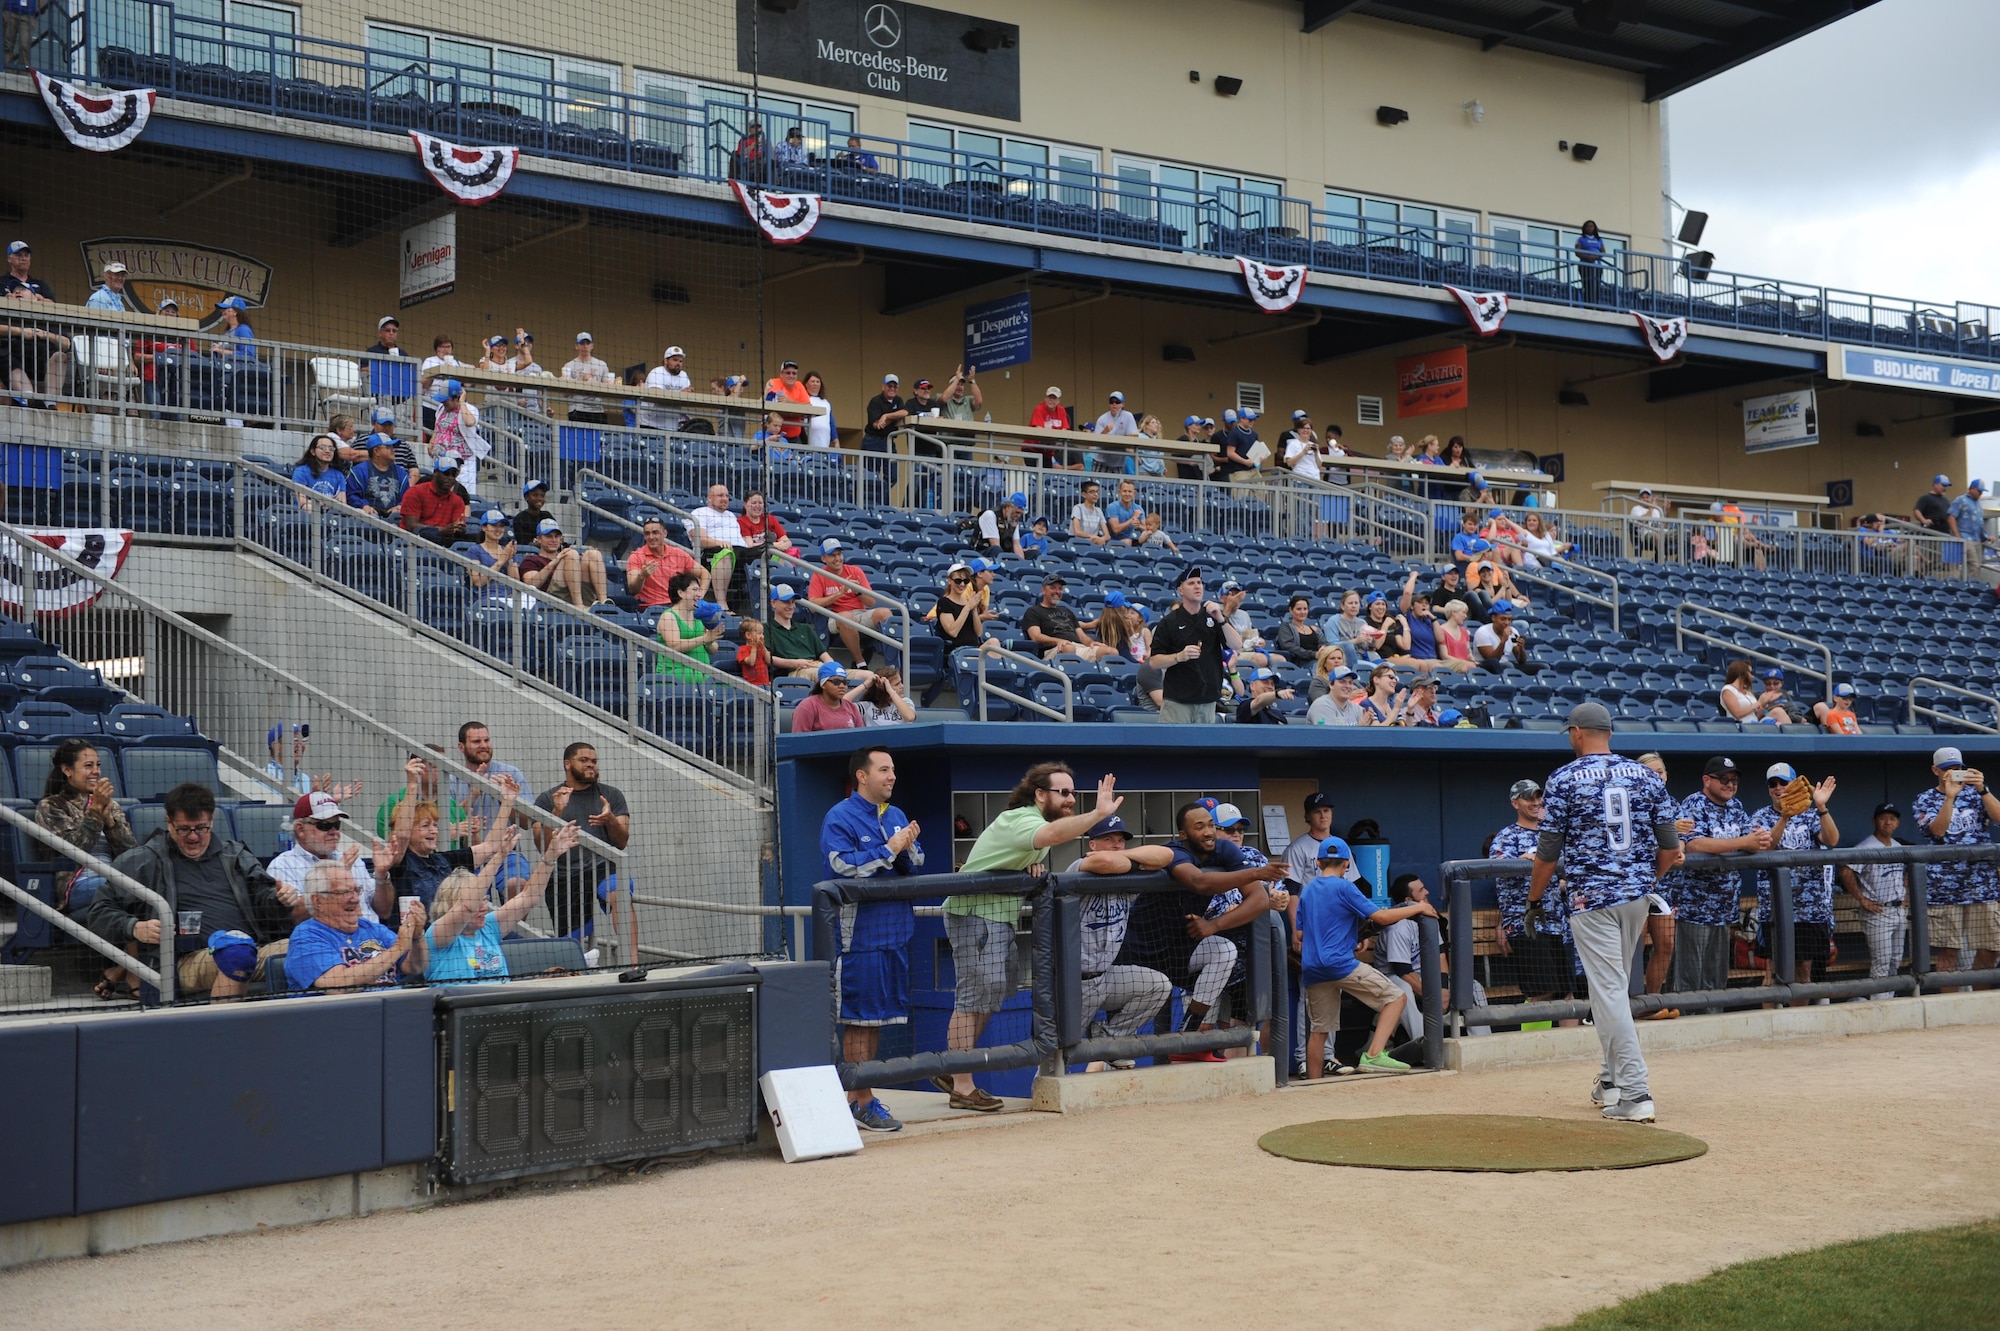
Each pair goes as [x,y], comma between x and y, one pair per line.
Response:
[585,1074]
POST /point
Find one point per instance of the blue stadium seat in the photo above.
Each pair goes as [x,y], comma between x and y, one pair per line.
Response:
[54,679]
[151,770]
[40,720]
[528,957]
[265,828]
[133,720]
[34,758]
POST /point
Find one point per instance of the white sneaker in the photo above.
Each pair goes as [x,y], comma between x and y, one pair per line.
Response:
[1630,1111]
[1603,1093]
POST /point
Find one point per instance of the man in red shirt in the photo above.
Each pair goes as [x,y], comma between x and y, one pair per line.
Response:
[787,388]
[436,511]
[649,568]
[844,606]
[1051,414]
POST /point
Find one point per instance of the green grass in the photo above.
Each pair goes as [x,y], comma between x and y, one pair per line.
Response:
[1947,1279]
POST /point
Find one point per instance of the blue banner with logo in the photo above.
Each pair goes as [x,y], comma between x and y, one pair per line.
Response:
[1929,374]
[999,333]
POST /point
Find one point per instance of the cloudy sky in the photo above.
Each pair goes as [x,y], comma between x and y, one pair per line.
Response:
[1863,157]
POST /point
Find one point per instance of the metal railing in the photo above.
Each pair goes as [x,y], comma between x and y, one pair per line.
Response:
[150,43]
[552,647]
[1611,602]
[161,979]
[1921,710]
[989,689]
[1682,632]
[1459,875]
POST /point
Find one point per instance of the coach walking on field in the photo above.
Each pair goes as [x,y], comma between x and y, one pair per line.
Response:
[1609,822]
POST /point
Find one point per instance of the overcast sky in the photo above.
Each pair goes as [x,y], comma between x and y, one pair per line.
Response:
[1862,157]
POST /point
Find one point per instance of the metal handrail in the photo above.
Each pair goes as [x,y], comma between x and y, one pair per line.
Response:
[640,648]
[1556,561]
[161,979]
[1682,632]
[1916,708]
[1068,712]
[798,915]
[37,551]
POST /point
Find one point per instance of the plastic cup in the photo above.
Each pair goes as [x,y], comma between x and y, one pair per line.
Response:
[190,922]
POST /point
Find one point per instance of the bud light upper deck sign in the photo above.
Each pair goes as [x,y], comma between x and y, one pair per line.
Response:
[1000,332]
[913,53]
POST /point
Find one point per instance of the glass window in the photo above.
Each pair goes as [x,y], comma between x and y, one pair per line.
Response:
[978,155]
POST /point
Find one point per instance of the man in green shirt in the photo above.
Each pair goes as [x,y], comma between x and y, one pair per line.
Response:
[795,646]
[962,396]
[1041,813]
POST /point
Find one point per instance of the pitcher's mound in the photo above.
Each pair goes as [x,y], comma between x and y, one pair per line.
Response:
[1495,1143]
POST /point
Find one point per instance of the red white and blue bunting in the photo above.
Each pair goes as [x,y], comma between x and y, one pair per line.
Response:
[1665,338]
[57,590]
[94,119]
[470,175]
[785,219]
[1486,309]
[1275,287]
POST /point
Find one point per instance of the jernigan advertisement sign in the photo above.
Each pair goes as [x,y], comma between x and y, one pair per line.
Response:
[933,57]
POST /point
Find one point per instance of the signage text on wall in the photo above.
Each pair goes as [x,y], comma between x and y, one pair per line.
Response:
[1430,383]
[193,276]
[1783,420]
[999,332]
[429,260]
[933,57]
[1927,374]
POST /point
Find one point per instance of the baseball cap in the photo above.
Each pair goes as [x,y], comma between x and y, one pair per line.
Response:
[783,592]
[383,416]
[1299,415]
[1424,682]
[1262,672]
[1333,848]
[831,670]
[1319,799]
[168,303]
[891,379]
[1478,480]
[233,952]
[1189,574]
[493,517]
[386,320]
[1230,585]
[1340,672]
[533,486]
[1843,690]
[449,389]
[1054,580]
[1525,788]
[921,383]
[1588,716]
[1117,397]
[301,729]
[1947,757]
[1114,598]
[1719,766]
[1781,772]
[547,526]
[1208,421]
[1229,414]
[1191,420]
[707,611]
[585,337]
[1773,672]
[1053,391]
[978,565]
[1372,598]
[671,352]
[1227,815]
[1111,826]
[1940,479]
[1645,493]
[788,365]
[446,463]
[232,303]
[1449,717]
[497,340]
[1249,414]
[1978,485]
[1016,500]
[1881,809]
[19,247]
[318,806]
[1503,606]
[110,268]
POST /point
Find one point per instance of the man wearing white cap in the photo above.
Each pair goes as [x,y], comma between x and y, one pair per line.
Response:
[1963,899]
[316,828]
[110,296]
[669,376]
[1812,889]
[1649,525]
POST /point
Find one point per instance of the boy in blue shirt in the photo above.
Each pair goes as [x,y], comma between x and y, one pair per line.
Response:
[1331,910]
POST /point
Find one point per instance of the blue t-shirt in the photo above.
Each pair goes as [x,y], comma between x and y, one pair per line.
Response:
[1605,808]
[1033,546]
[854,842]
[1589,249]
[1468,544]
[1971,518]
[318,948]
[332,482]
[1117,512]
[1331,911]
[377,490]
[474,956]
[1709,896]
[1423,638]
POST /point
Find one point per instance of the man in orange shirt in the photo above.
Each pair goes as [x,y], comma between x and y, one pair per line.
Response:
[652,566]
[786,387]
[844,606]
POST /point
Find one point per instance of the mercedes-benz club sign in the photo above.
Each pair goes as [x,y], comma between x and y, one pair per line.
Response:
[929,56]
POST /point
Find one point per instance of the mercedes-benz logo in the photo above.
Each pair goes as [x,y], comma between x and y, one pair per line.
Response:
[883,25]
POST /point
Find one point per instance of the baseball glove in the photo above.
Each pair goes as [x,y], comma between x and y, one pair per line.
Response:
[1533,921]
[1795,798]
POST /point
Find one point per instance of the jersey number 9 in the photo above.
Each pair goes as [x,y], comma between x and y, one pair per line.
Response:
[1618,817]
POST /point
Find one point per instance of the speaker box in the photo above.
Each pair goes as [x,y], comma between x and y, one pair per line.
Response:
[1698,265]
[1692,226]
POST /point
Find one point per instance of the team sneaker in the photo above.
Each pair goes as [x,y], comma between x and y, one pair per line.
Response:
[875,1117]
[1603,1093]
[1630,1111]
[1382,1063]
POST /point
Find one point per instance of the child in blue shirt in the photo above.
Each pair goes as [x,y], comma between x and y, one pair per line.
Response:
[1331,911]
[465,933]
[1035,541]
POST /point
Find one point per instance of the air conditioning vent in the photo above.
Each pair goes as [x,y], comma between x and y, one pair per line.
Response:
[1250,397]
[1367,411]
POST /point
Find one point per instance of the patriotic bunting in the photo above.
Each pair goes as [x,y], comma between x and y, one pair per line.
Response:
[1664,337]
[786,219]
[57,591]
[95,120]
[470,175]
[1275,287]
[1486,309]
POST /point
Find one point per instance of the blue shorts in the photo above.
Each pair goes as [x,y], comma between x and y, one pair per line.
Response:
[875,987]
[517,866]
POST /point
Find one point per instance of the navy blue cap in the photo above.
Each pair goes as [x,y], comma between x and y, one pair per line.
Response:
[1111,826]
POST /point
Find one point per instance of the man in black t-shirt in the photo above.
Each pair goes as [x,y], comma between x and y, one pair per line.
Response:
[1187,647]
[886,411]
[1934,509]
[1055,629]
[581,877]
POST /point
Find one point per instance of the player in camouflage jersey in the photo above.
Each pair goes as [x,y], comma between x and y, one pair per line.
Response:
[1963,900]
[1541,958]
[1707,902]
[1609,824]
[1812,889]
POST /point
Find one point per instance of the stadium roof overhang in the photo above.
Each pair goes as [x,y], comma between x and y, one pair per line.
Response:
[1674,44]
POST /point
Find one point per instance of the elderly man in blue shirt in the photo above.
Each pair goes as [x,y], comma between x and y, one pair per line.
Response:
[1968,521]
[111,295]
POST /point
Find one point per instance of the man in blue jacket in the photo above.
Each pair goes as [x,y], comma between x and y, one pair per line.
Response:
[863,836]
[379,483]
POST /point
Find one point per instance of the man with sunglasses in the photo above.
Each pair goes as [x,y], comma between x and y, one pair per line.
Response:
[1707,902]
[1812,889]
[198,872]
[316,828]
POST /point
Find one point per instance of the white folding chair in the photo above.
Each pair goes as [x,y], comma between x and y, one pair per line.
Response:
[337,385]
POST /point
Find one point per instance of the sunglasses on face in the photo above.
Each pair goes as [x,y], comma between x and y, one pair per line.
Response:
[327,824]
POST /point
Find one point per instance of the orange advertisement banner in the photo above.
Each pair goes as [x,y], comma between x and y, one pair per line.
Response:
[1430,383]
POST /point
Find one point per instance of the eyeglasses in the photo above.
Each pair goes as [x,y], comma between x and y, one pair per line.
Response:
[1060,790]
[327,824]
[342,892]
[190,830]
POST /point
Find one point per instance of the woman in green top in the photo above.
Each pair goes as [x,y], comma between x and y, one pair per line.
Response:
[682,632]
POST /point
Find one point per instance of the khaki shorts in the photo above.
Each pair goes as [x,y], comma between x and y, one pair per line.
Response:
[1365,983]
[197,973]
[1975,925]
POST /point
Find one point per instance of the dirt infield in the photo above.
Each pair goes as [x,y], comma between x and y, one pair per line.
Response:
[1155,1216]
